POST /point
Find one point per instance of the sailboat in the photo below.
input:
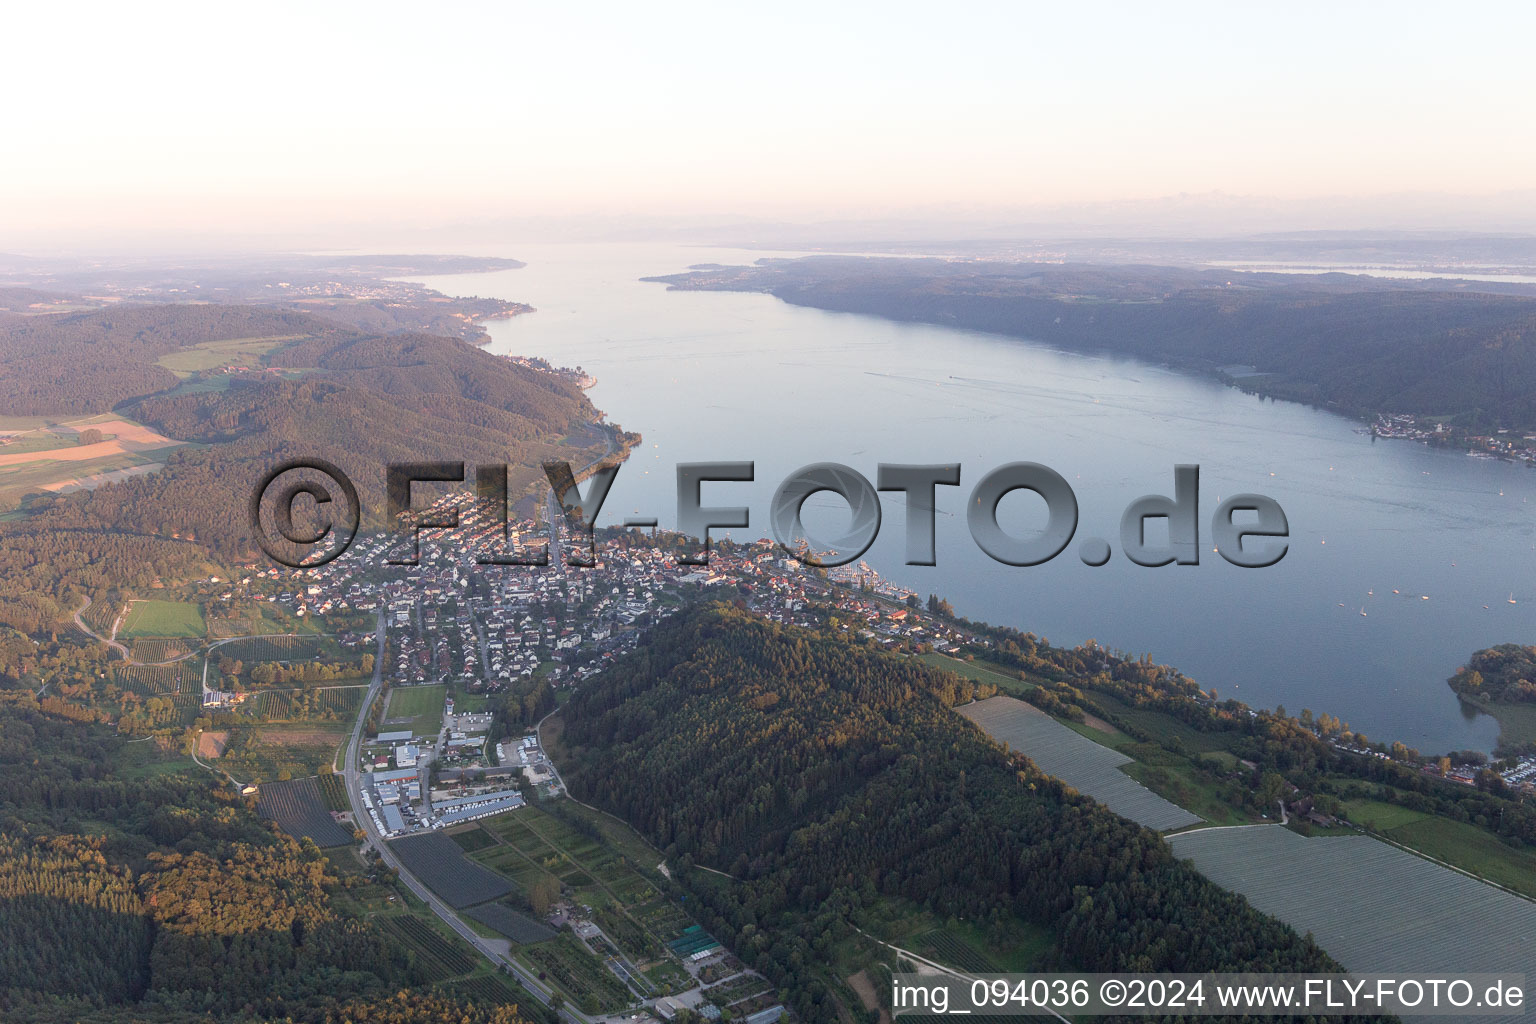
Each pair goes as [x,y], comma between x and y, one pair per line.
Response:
[1362,609]
[1511,598]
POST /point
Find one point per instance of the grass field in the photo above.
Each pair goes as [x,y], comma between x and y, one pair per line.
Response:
[1454,842]
[1381,817]
[979,671]
[265,753]
[163,618]
[422,705]
[143,759]
[1472,849]
[213,354]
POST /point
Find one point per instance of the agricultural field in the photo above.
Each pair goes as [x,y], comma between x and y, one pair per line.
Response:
[1455,842]
[1379,816]
[264,619]
[334,792]
[472,839]
[980,671]
[158,649]
[943,946]
[163,619]
[100,615]
[1087,766]
[440,956]
[157,680]
[441,865]
[321,704]
[418,708]
[213,355]
[189,705]
[584,978]
[496,990]
[300,808]
[596,859]
[514,924]
[283,647]
[579,860]
[632,939]
[1372,906]
[268,753]
[145,758]
[51,456]
[737,989]
[663,918]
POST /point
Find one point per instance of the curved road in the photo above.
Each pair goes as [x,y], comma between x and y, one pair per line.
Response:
[119,648]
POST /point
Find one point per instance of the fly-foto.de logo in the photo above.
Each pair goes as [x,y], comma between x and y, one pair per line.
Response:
[306,512]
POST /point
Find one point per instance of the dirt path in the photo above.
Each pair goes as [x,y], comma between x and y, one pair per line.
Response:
[864,988]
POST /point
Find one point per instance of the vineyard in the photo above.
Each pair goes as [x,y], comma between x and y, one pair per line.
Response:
[442,866]
[279,648]
[438,954]
[153,649]
[333,791]
[300,809]
[157,680]
[189,704]
[484,988]
[579,973]
[329,703]
[100,616]
[517,926]
[950,950]
[472,839]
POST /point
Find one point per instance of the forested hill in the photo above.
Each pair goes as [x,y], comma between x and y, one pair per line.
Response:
[1360,345]
[83,363]
[827,775]
[316,389]
[167,900]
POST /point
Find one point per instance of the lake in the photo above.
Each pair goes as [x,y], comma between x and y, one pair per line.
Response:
[725,376]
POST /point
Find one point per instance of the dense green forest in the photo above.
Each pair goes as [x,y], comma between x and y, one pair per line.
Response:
[1360,345]
[825,775]
[167,899]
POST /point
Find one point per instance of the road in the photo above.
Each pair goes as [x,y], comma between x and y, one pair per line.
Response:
[364,821]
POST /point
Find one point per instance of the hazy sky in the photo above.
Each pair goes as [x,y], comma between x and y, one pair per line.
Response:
[241,116]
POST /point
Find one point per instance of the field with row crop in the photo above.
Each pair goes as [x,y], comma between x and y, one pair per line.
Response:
[300,808]
[156,680]
[514,924]
[441,956]
[442,867]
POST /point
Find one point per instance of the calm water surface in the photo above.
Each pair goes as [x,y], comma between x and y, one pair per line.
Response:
[725,376]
